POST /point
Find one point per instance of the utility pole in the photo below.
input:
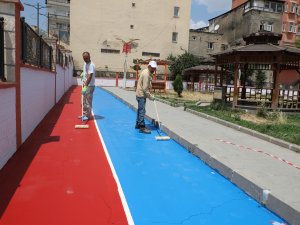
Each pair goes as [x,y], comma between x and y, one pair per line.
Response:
[126,50]
[47,16]
[38,8]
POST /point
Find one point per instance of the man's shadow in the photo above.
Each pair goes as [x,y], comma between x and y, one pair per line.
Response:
[97,117]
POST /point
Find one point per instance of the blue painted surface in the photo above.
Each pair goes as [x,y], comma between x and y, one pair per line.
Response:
[162,182]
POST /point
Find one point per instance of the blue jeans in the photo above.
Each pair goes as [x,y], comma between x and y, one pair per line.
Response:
[140,121]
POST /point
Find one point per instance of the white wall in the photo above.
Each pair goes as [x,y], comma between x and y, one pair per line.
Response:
[7,124]
[64,80]
[68,77]
[37,98]
[60,82]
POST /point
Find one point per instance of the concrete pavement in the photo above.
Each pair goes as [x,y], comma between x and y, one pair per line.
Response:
[266,171]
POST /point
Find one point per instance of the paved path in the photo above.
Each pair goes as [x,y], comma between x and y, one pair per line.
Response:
[249,162]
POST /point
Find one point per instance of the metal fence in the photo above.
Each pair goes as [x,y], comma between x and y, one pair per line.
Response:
[2,76]
[35,50]
[59,57]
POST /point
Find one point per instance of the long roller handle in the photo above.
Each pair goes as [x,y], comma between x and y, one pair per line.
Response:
[156,113]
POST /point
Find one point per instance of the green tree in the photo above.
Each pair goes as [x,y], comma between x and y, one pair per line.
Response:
[260,78]
[177,85]
[181,62]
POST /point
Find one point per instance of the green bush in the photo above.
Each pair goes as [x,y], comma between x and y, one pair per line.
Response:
[217,105]
[178,85]
[262,111]
[277,116]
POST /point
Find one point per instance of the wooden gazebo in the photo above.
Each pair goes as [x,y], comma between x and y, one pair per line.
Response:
[194,74]
[261,53]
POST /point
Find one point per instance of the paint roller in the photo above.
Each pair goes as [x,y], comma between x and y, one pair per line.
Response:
[160,137]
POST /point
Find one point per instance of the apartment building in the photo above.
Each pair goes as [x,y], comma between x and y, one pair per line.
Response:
[291,23]
[236,3]
[155,29]
[250,17]
[203,43]
[290,17]
[59,19]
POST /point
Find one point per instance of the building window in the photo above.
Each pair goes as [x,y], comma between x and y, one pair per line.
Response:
[133,4]
[113,51]
[153,54]
[283,27]
[286,7]
[210,45]
[293,7]
[266,27]
[174,37]
[131,26]
[224,47]
[273,6]
[176,11]
[292,28]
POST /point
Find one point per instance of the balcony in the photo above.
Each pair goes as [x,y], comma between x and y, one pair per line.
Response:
[59,2]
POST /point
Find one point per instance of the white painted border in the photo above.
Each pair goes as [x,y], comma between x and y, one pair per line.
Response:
[120,190]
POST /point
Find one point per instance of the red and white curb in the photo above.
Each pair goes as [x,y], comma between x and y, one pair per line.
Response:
[242,147]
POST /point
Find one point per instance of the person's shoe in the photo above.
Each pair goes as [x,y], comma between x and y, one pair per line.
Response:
[85,118]
[145,130]
[137,126]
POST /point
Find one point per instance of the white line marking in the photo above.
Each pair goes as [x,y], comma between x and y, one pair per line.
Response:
[120,190]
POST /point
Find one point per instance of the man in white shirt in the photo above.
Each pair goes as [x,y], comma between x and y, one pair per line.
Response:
[88,86]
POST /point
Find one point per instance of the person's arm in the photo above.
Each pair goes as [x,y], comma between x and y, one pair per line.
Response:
[146,86]
[89,75]
[88,80]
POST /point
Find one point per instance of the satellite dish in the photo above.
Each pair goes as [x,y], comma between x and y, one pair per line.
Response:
[217,27]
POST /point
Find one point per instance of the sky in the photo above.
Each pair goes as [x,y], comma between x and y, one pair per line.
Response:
[201,12]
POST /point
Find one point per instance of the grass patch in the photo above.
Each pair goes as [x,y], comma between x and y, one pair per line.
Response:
[275,124]
[287,129]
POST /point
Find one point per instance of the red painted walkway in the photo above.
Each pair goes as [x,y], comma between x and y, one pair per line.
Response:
[60,175]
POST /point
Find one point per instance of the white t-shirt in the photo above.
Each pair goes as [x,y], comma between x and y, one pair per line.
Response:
[89,68]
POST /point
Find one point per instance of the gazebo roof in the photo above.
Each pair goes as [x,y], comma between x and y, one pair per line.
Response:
[201,69]
[259,48]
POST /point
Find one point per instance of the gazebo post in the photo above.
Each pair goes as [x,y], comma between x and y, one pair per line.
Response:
[243,81]
[236,90]
[221,76]
[275,93]
[165,78]
[216,75]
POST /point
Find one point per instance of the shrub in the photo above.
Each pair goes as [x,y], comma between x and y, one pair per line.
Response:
[278,117]
[177,85]
[217,105]
[262,111]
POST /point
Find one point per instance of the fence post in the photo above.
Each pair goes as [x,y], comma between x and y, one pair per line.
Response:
[23,40]
[40,59]
[2,77]
[50,57]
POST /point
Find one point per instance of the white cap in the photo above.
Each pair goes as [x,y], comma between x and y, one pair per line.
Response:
[153,64]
